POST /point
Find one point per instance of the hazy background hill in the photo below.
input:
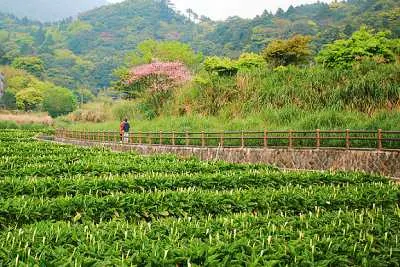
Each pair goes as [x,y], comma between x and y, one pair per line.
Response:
[48,10]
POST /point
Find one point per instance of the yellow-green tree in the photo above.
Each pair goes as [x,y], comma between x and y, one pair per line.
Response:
[293,51]
[363,44]
[33,65]
[29,99]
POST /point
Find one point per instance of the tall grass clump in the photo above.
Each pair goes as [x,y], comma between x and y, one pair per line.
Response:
[367,87]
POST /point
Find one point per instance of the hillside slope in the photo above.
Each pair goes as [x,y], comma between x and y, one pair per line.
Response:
[84,52]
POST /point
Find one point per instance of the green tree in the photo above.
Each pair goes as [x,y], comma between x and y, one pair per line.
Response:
[8,100]
[221,66]
[150,50]
[363,44]
[31,64]
[293,51]
[59,101]
[29,99]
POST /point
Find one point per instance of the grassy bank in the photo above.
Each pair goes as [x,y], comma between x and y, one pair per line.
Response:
[364,97]
[25,121]
[270,119]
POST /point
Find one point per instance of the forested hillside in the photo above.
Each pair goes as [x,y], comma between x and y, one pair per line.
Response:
[48,10]
[84,52]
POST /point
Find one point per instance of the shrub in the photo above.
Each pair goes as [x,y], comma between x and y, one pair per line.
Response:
[124,109]
[221,66]
[59,101]
[250,60]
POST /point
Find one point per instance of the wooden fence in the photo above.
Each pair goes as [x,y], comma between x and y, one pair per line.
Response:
[344,139]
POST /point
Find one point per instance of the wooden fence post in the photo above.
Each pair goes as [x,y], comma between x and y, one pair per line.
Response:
[265,138]
[318,134]
[203,140]
[347,139]
[161,138]
[140,137]
[380,139]
[290,139]
[173,138]
[187,138]
[242,139]
[222,139]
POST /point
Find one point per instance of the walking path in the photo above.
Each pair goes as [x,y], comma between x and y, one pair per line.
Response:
[377,161]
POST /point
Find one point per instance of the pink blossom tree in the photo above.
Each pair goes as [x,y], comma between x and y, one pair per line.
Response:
[159,76]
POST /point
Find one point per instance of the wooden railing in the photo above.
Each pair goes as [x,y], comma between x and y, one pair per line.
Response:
[344,139]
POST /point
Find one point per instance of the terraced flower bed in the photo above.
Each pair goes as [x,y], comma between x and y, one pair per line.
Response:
[70,206]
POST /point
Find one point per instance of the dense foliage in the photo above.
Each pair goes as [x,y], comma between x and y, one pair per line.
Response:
[32,65]
[363,44]
[26,92]
[84,52]
[62,204]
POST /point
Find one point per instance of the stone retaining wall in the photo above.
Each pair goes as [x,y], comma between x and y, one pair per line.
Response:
[386,163]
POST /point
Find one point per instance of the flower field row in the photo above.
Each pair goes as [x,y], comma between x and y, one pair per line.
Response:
[64,205]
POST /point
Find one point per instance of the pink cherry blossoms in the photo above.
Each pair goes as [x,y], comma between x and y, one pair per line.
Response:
[160,75]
